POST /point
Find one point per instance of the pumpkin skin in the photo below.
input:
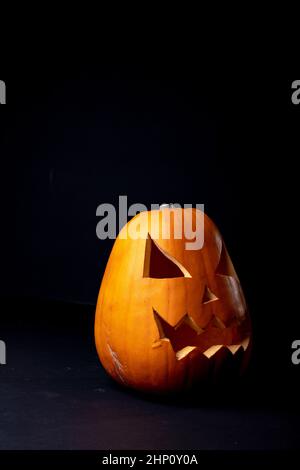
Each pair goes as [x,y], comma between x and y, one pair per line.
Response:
[166,316]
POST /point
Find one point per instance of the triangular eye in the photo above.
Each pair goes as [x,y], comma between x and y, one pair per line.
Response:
[159,264]
[225,266]
[208,296]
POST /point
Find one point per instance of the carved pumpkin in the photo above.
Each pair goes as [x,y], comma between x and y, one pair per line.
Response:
[168,316]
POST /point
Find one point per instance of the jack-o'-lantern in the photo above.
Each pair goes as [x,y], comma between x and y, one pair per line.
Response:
[168,316]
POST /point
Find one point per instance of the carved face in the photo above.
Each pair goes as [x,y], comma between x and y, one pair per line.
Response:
[166,315]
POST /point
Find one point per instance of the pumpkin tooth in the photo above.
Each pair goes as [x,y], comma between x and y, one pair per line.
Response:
[245,343]
[184,352]
[159,342]
[233,348]
[187,319]
[212,350]
[218,323]
[192,324]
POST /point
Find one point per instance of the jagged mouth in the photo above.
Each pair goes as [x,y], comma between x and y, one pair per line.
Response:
[186,336]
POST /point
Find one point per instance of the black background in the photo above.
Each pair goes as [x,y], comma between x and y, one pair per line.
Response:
[70,144]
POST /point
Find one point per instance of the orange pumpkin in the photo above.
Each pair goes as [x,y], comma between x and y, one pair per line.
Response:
[168,316]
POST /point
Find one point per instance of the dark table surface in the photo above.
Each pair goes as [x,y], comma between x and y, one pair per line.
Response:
[54,394]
